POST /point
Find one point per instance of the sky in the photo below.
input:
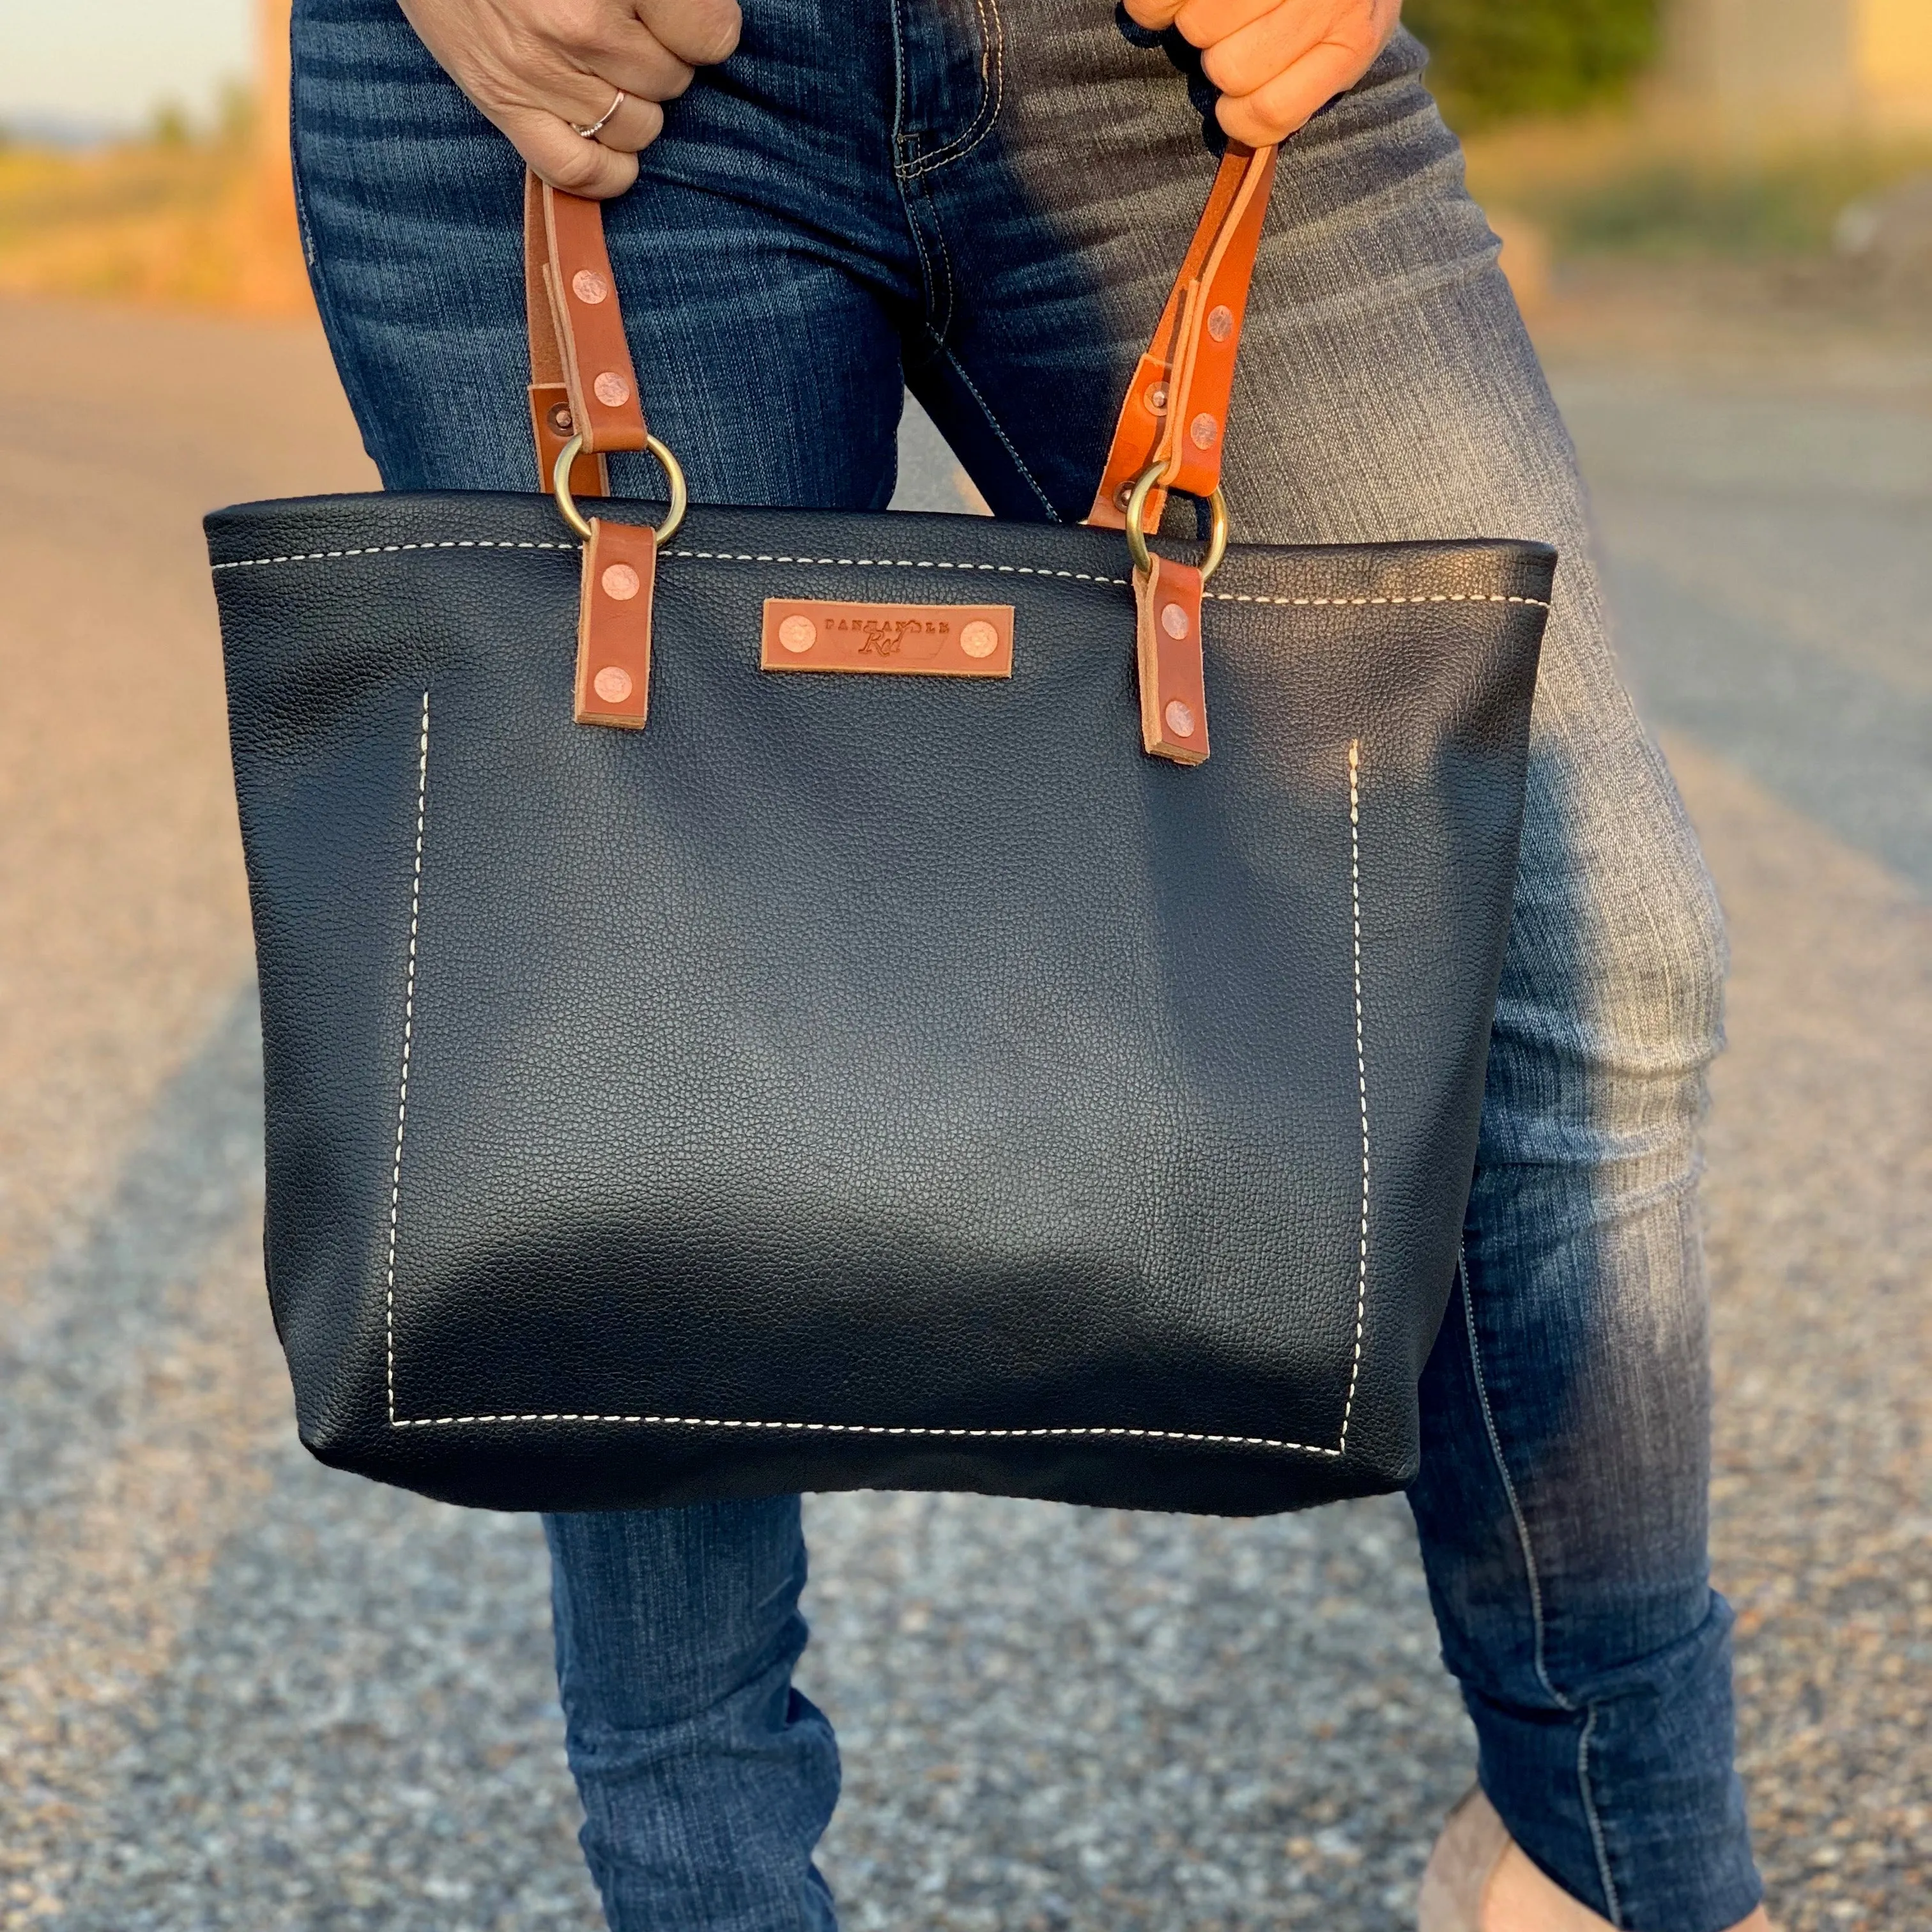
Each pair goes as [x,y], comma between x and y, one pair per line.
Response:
[112,61]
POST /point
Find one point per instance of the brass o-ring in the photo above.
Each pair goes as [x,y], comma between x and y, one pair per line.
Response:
[1137,543]
[559,484]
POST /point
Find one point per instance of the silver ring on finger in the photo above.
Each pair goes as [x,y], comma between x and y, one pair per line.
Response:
[597,126]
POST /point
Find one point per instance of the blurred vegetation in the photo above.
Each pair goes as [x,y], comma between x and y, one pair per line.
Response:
[1497,60]
[1784,205]
[1656,187]
[175,215]
[1561,132]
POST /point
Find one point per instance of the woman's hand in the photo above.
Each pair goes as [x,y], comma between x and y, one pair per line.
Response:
[1276,61]
[536,67]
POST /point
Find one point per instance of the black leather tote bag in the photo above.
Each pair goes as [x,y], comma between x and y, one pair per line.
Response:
[795,1001]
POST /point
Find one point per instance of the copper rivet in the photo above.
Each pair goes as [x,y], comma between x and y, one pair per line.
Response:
[1200,430]
[979,639]
[1180,719]
[1156,398]
[589,286]
[1174,621]
[1221,322]
[798,634]
[561,421]
[611,389]
[612,684]
[621,582]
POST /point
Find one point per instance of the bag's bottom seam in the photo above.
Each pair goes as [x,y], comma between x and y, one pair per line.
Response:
[1101,1432]
[884,1429]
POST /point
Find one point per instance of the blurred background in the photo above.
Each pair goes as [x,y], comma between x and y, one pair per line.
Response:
[1719,145]
[237,1691]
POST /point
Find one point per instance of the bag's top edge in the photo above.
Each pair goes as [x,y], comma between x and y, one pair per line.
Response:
[315,531]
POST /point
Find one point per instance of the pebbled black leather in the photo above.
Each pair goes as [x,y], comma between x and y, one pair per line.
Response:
[866,1082]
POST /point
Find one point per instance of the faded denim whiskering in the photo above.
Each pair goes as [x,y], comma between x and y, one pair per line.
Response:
[986,199]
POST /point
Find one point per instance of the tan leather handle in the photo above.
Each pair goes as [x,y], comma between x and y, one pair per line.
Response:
[1175,411]
[1174,421]
[581,380]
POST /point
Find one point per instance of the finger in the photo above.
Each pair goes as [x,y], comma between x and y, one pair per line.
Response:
[543,88]
[623,113]
[1203,22]
[635,125]
[1274,111]
[566,159]
[1270,45]
[1157,16]
[702,32]
[579,84]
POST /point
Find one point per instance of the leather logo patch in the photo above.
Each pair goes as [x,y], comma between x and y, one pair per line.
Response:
[926,640]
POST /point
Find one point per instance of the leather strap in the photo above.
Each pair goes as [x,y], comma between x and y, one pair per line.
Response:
[1176,407]
[1167,651]
[1175,414]
[552,425]
[613,624]
[582,383]
[581,378]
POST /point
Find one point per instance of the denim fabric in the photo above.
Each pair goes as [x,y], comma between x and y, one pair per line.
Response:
[986,199]
[706,1778]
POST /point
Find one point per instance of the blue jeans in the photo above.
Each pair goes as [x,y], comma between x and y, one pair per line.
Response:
[985,199]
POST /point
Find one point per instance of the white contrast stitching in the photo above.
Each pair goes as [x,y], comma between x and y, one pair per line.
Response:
[402,1090]
[1361,1071]
[895,563]
[891,563]
[880,1429]
[992,54]
[384,549]
[1114,1433]
[1439,597]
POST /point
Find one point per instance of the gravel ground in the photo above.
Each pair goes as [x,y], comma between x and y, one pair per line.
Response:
[1059,1718]
[237,1690]
[360,1729]
[1821,1249]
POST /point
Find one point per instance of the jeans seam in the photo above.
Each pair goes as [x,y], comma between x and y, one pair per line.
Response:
[1509,1486]
[929,281]
[946,256]
[993,423]
[1596,1824]
[899,89]
[1597,1845]
[902,179]
[992,95]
